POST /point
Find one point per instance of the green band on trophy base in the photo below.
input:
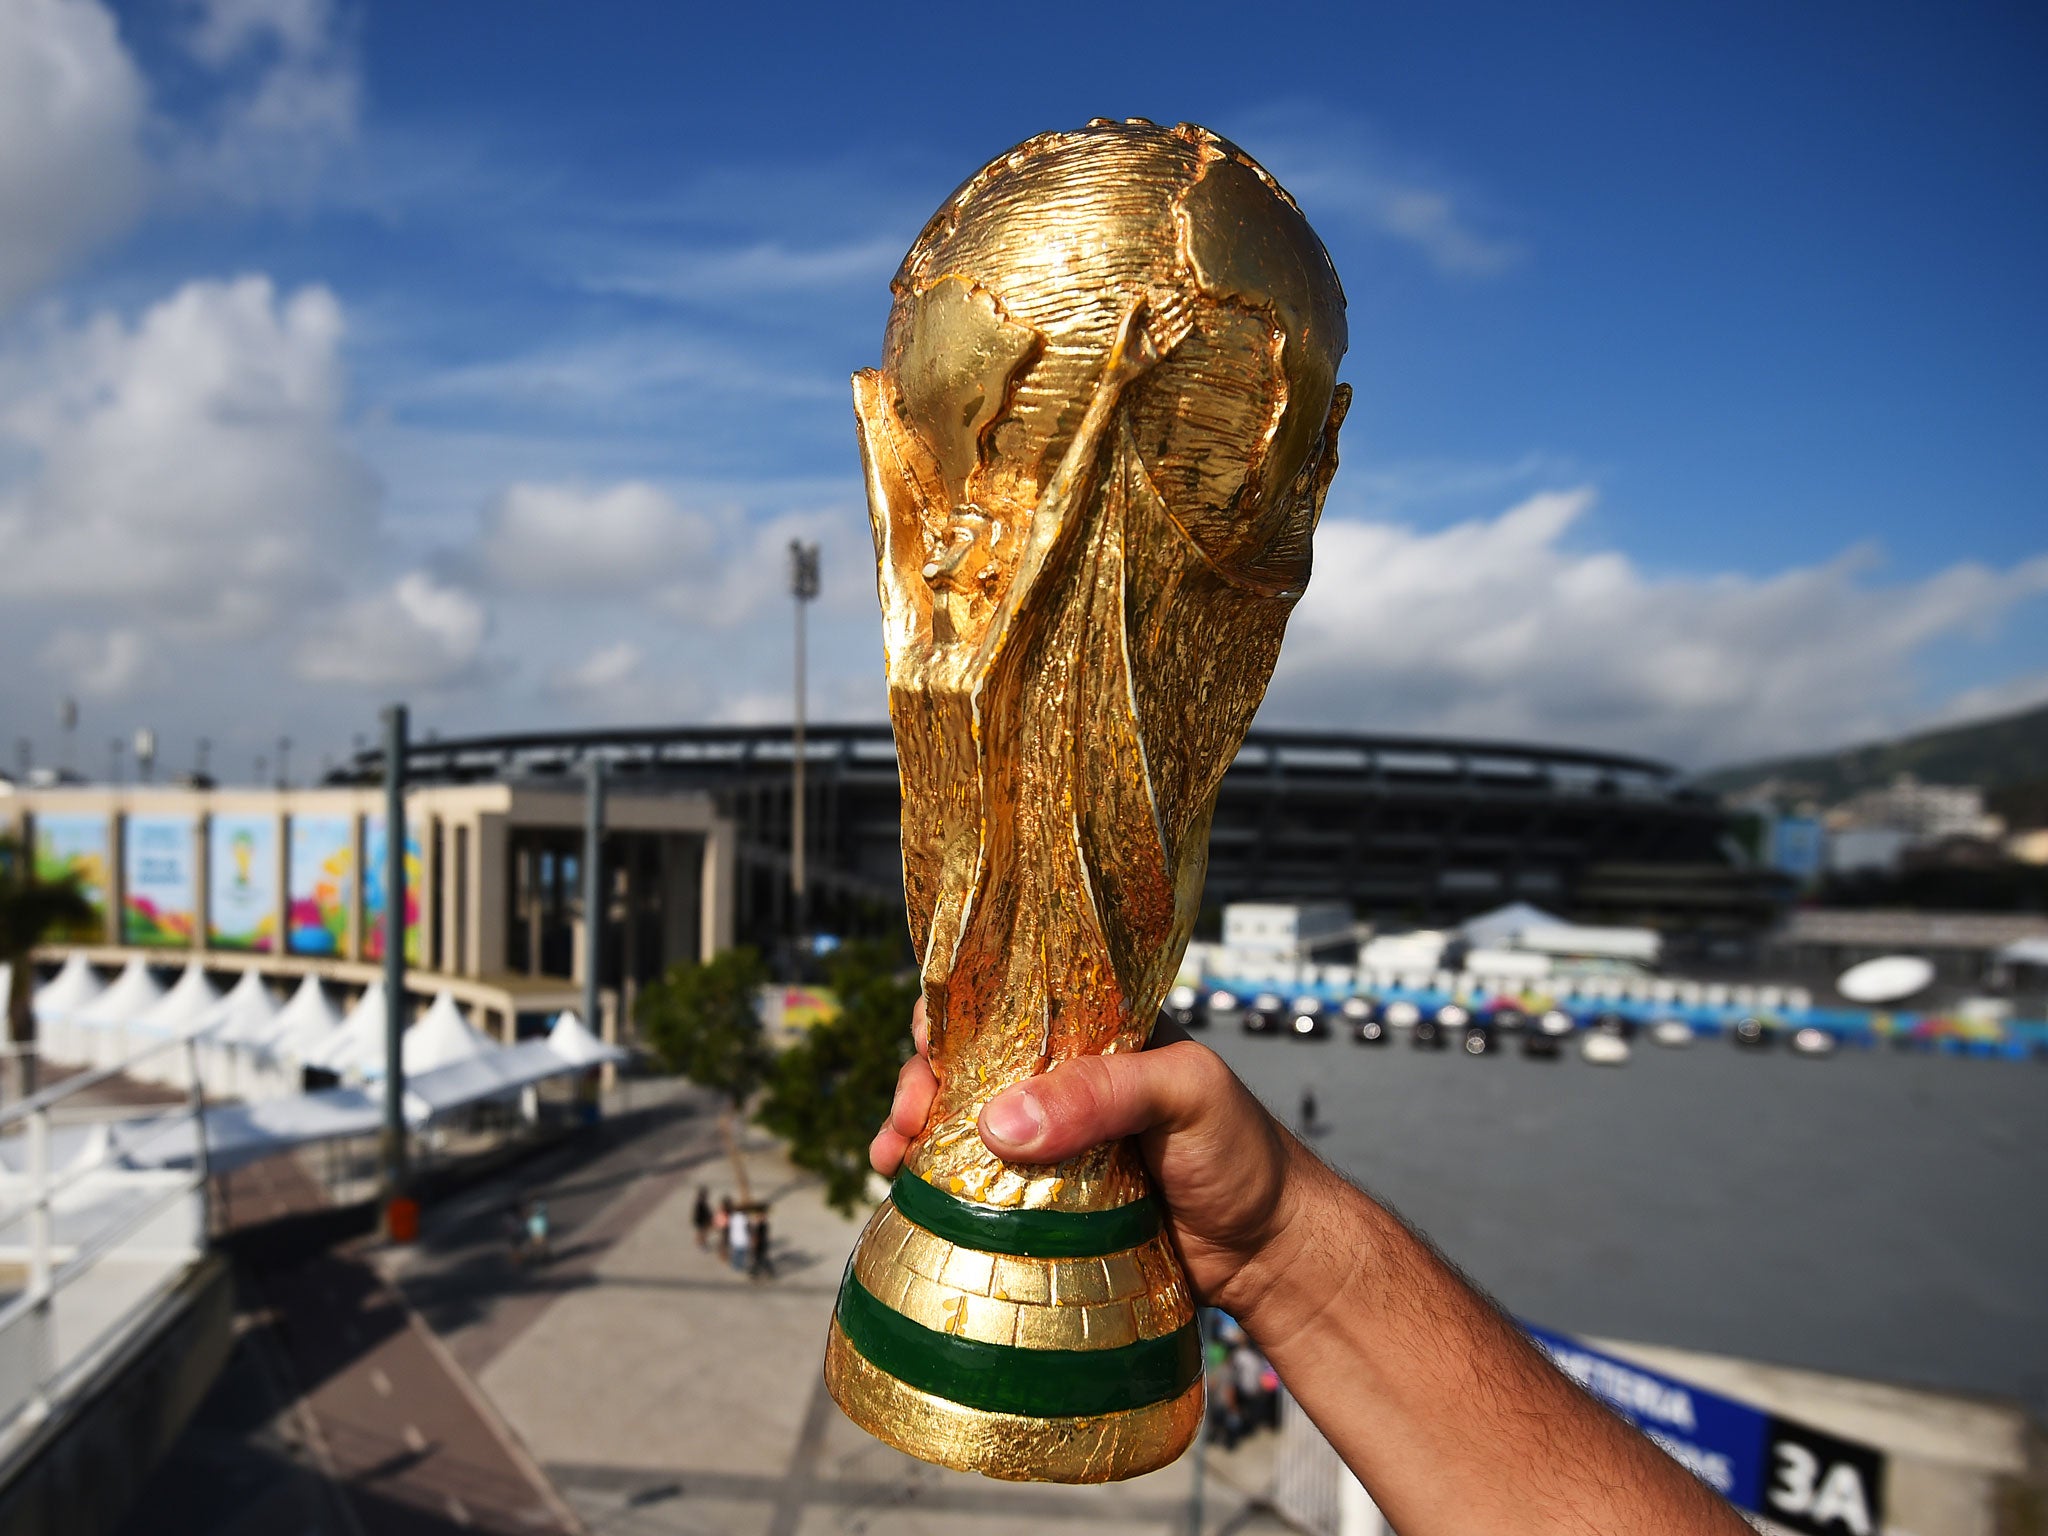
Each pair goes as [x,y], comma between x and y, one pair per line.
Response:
[1025,1234]
[1001,1378]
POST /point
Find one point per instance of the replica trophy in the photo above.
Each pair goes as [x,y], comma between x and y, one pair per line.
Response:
[1096,451]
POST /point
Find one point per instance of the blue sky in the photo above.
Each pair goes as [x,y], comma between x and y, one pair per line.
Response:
[487,354]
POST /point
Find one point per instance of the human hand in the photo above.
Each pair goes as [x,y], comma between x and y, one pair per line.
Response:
[1233,1180]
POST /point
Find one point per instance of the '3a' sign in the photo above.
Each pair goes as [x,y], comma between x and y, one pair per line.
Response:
[1820,1484]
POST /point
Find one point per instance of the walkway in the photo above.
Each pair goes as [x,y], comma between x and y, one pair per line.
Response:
[632,1386]
[665,1395]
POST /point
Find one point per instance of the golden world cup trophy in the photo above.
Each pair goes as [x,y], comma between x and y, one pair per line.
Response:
[1096,451]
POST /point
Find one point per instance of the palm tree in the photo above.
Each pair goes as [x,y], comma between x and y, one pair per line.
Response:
[30,910]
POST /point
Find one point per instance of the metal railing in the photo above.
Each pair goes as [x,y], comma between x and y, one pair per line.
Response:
[39,1366]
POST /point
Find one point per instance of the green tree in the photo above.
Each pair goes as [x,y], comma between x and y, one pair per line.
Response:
[829,1092]
[705,1022]
[30,910]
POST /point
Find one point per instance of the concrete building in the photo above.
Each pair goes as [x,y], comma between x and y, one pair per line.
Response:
[1924,812]
[289,882]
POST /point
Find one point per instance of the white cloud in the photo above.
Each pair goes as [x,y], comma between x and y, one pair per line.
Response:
[567,538]
[288,97]
[417,633]
[1339,169]
[1496,628]
[605,669]
[766,267]
[71,104]
[189,470]
[98,663]
[750,576]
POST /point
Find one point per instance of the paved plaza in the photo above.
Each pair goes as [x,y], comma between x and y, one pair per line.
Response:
[662,1393]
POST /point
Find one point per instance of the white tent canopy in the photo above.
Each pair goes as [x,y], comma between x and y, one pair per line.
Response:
[2022,952]
[106,1024]
[572,1040]
[442,1037]
[360,1035]
[133,993]
[302,1023]
[188,1010]
[65,993]
[246,1013]
[185,1008]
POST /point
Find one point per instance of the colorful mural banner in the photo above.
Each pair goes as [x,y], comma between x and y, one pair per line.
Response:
[160,882]
[373,892]
[241,883]
[78,848]
[321,883]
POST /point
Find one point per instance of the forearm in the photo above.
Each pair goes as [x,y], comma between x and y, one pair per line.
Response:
[1449,1416]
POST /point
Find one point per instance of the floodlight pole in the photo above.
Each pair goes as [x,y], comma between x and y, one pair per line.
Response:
[803,586]
[394,1148]
[593,889]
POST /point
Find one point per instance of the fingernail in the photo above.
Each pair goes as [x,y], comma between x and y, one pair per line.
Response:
[1014,1117]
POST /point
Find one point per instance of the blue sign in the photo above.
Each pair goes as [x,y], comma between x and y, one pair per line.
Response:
[1799,847]
[1787,1472]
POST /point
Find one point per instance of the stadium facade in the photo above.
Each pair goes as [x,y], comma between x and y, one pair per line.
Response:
[1404,829]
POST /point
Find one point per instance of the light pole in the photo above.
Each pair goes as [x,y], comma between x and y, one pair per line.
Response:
[145,753]
[593,895]
[803,586]
[284,762]
[394,1148]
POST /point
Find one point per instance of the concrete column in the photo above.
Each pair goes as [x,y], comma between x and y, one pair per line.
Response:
[446,945]
[284,883]
[716,901]
[359,843]
[202,878]
[489,869]
[117,875]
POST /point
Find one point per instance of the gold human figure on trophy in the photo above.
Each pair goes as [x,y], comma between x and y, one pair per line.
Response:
[1096,452]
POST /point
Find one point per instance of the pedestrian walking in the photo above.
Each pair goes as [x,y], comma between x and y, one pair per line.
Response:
[722,1225]
[763,1266]
[739,1236]
[1308,1110]
[538,1232]
[701,1218]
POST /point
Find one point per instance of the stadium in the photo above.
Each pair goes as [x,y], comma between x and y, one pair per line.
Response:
[1404,828]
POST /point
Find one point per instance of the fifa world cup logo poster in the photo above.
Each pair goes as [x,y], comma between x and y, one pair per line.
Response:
[241,883]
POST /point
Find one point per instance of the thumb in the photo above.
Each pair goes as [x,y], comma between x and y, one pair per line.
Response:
[1092,1099]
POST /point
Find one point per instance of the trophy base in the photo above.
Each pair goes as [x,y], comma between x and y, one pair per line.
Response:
[1032,1345]
[1099,1448]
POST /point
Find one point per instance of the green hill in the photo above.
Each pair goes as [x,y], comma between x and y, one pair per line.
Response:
[2007,756]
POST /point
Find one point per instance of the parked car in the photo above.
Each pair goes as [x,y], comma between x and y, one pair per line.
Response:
[1675,1033]
[1605,1048]
[1224,1008]
[1545,1040]
[1812,1041]
[1401,1014]
[1305,1019]
[1265,1014]
[1619,1025]
[1507,1019]
[1361,1016]
[1184,1007]
[1751,1033]
[1436,1031]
